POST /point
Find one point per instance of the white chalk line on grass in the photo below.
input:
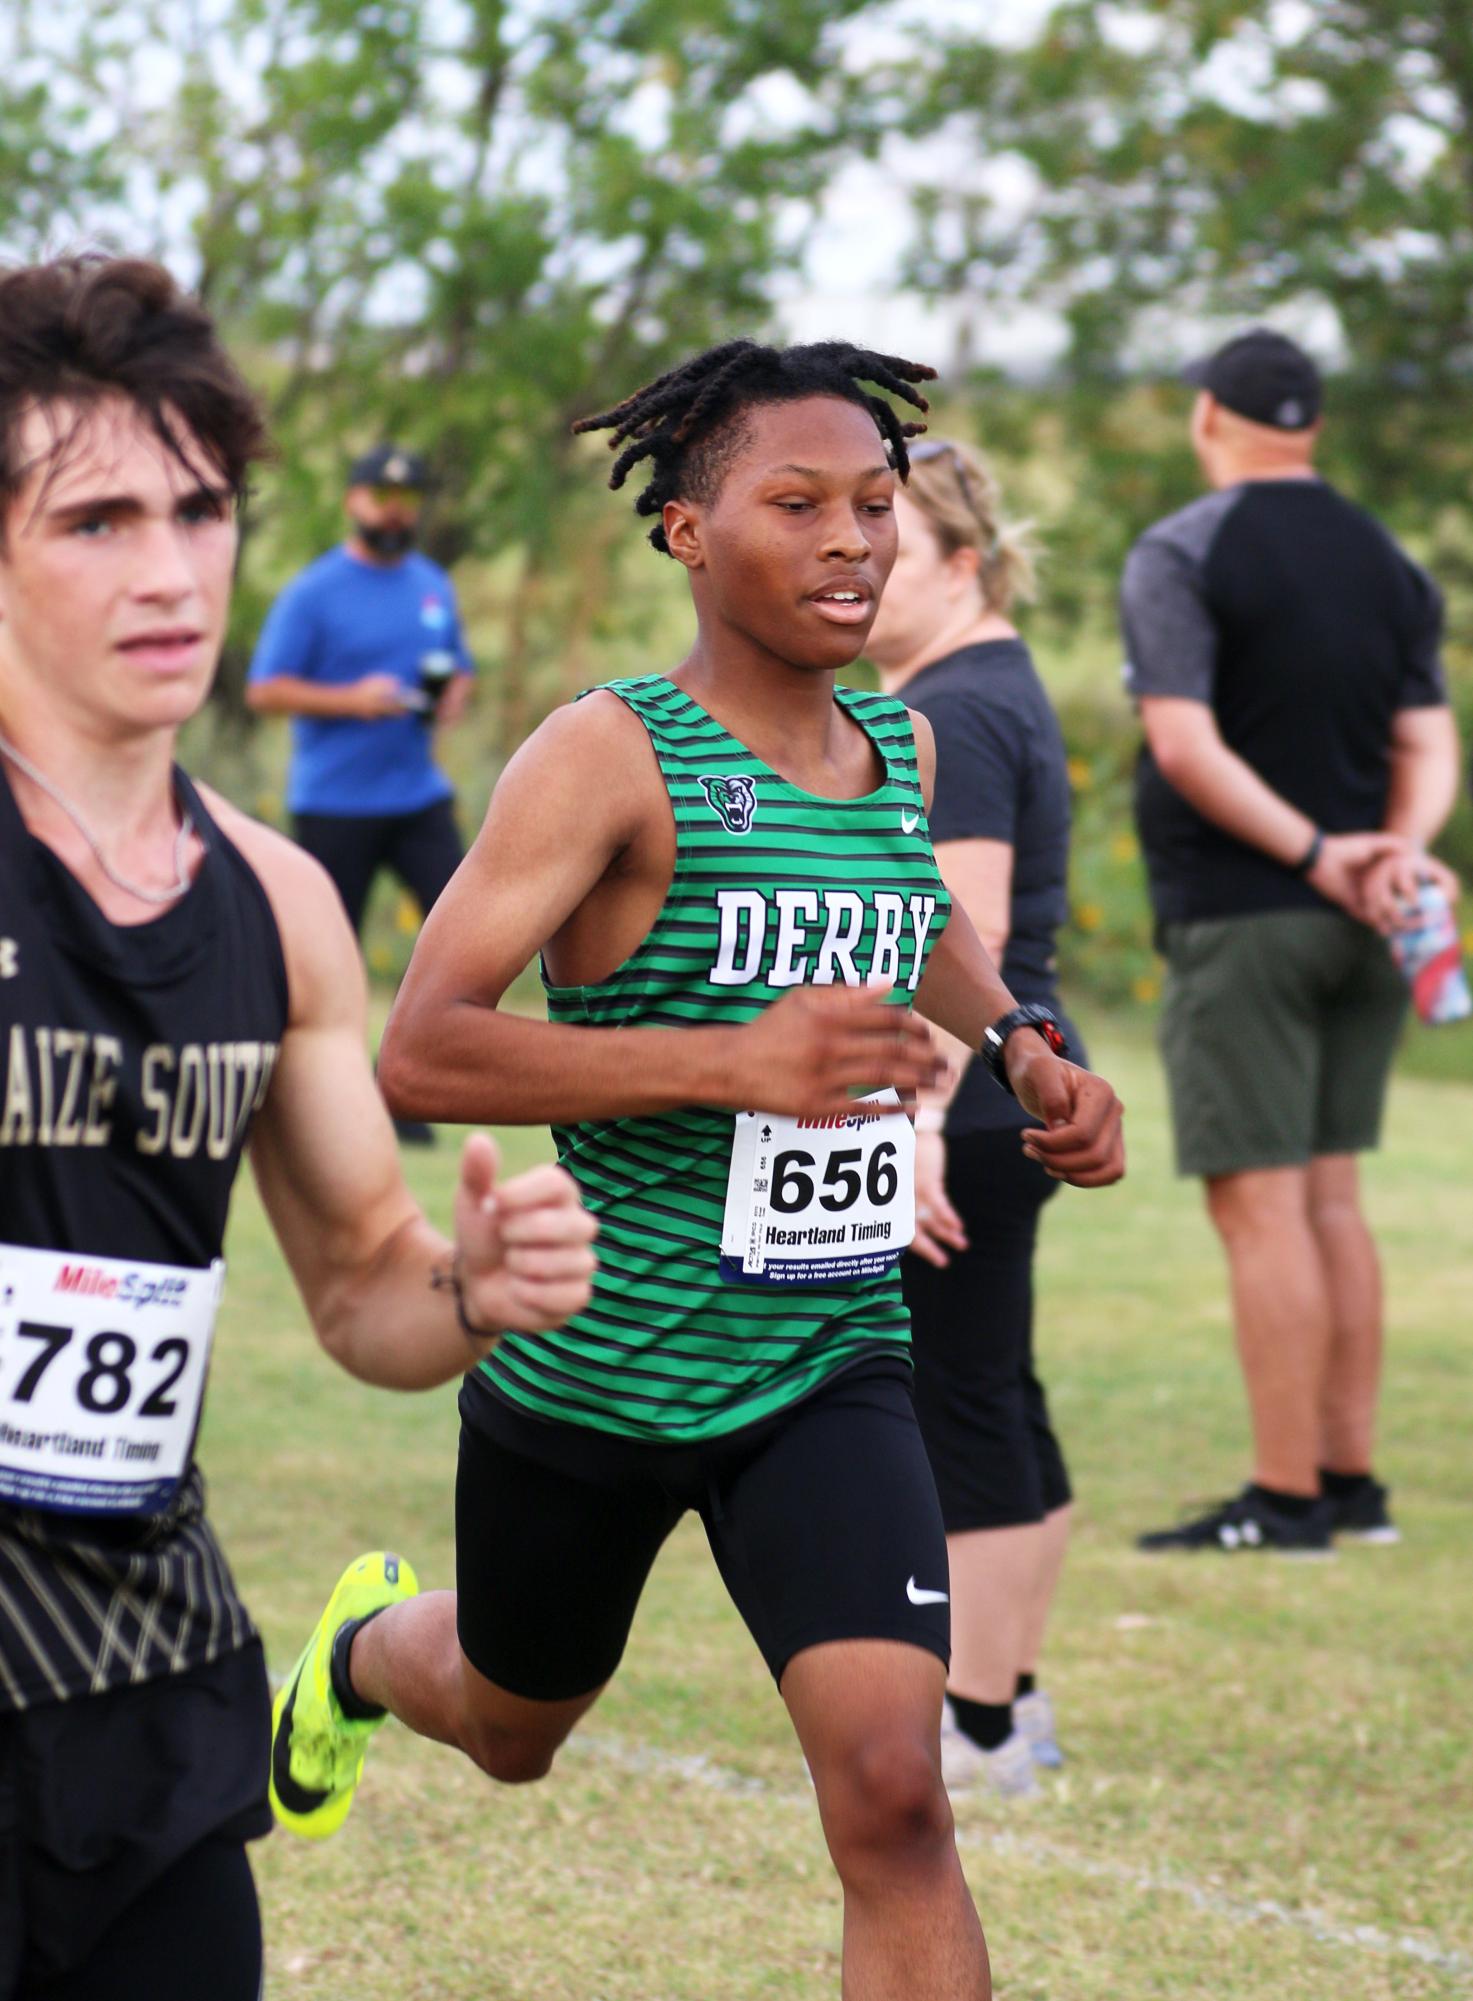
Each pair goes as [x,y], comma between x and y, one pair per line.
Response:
[698,1770]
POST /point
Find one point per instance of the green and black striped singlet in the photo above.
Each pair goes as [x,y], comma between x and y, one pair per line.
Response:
[773,888]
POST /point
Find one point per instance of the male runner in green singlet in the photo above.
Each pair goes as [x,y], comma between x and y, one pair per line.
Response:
[730,879]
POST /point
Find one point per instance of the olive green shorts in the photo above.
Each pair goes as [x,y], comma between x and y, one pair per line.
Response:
[1278,1033]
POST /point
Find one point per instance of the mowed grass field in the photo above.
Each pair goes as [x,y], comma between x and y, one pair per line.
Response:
[1269,1794]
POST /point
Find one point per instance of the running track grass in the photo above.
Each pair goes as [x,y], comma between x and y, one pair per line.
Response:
[1269,1794]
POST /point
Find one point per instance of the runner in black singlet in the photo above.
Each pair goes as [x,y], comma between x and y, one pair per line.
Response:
[714,863]
[176,984]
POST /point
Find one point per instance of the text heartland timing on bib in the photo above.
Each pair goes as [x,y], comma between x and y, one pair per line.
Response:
[61,1086]
[831,1233]
[802,954]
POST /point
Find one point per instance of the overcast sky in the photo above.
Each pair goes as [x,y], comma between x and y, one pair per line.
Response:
[849,282]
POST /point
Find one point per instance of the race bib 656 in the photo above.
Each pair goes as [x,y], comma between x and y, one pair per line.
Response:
[819,1201]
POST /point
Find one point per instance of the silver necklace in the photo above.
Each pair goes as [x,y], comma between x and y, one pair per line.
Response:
[181,839]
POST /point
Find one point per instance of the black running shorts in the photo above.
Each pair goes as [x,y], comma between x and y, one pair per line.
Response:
[823,1521]
[122,1822]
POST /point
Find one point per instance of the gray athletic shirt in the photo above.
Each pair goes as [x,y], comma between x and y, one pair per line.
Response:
[1295,617]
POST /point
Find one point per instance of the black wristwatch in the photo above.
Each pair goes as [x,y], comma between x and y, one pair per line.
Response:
[1031,1015]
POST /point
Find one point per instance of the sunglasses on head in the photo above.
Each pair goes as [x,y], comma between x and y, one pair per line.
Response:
[925,449]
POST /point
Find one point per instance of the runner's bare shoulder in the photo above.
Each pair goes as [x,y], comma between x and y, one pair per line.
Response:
[317,941]
[591,765]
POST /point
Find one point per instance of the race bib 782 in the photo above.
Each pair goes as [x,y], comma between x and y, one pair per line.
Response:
[102,1374]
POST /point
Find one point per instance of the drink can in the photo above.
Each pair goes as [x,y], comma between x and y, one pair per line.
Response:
[1425,946]
[436,671]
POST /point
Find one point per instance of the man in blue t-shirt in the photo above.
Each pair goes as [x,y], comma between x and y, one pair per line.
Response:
[364,652]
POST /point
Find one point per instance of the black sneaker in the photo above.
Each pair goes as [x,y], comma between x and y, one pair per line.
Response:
[1248,1522]
[1363,1515]
[414,1132]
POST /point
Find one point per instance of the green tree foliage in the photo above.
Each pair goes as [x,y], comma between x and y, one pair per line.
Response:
[1236,153]
[1221,157]
[462,222]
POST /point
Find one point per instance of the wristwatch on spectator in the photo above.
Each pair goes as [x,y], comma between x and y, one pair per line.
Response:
[1033,1014]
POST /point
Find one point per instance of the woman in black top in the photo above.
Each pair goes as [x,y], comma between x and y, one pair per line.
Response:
[1000,823]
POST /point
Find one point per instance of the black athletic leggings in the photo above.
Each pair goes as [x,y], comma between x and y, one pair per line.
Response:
[193,1935]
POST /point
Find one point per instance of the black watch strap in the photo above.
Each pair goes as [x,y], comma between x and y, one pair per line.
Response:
[1311,854]
[1033,1014]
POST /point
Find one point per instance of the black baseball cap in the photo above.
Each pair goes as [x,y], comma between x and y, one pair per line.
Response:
[1263,376]
[390,465]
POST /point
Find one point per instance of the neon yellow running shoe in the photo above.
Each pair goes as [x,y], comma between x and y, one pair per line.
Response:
[316,1751]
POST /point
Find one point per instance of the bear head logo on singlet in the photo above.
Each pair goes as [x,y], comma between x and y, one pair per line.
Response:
[733,799]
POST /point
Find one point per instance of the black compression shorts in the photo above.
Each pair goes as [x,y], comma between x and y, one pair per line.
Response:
[823,1521]
[123,1818]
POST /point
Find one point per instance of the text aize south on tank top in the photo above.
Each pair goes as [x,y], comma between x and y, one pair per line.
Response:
[773,888]
[133,1059]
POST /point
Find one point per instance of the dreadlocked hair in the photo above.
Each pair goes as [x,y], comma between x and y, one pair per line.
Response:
[687,423]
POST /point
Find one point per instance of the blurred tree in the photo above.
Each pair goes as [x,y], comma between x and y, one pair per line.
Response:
[1189,158]
[54,163]
[462,222]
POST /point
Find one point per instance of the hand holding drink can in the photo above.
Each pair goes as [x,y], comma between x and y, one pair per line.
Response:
[436,671]
[1425,946]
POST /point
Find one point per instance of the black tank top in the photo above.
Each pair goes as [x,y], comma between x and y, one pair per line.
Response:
[132,1060]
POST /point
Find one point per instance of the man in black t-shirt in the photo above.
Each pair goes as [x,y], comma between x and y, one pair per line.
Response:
[1299,754]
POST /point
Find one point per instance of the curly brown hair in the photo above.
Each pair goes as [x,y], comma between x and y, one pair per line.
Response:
[81,328]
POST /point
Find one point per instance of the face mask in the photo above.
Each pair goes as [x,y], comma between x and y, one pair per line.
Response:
[386,541]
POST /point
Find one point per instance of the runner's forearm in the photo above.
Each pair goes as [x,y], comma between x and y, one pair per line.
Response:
[385,1321]
[483,1066]
[962,990]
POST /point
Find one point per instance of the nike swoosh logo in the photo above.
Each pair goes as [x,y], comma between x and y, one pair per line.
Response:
[295,1798]
[909,822]
[918,1595]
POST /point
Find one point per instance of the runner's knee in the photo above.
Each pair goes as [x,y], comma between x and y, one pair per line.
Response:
[511,1757]
[513,1742]
[886,1805]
